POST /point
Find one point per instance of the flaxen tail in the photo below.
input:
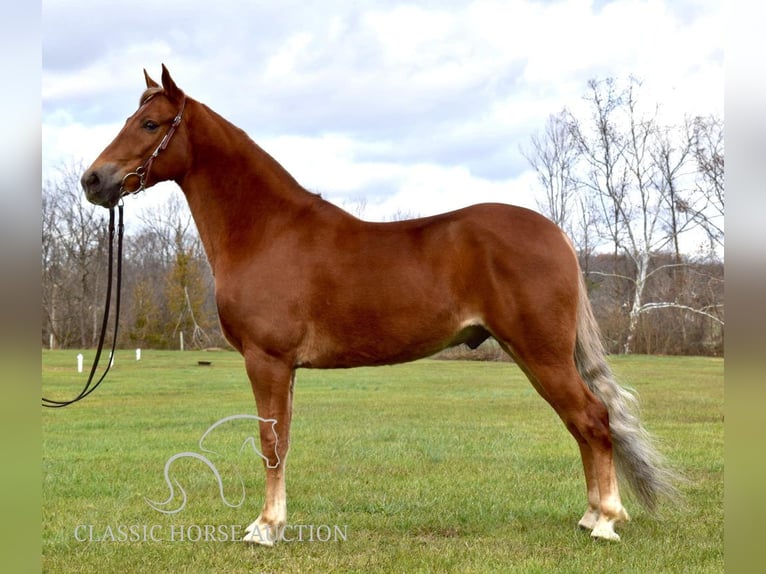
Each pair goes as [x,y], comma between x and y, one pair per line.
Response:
[637,461]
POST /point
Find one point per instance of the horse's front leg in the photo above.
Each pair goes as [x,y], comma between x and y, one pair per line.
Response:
[272,383]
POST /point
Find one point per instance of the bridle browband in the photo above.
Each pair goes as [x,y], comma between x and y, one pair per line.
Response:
[142,171]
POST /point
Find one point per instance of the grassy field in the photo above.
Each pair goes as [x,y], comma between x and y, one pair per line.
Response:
[433,466]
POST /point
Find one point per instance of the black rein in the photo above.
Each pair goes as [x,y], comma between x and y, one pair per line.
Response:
[90,386]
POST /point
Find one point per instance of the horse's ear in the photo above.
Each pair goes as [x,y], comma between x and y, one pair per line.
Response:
[149,82]
[171,90]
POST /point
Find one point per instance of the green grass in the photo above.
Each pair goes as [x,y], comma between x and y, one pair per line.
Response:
[433,466]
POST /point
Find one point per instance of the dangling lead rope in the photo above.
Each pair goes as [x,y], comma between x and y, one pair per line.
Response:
[89,386]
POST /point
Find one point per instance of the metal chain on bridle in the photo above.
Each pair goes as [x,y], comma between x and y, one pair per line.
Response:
[141,172]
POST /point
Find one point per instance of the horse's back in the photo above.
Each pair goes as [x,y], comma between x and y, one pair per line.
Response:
[498,225]
[406,289]
[502,236]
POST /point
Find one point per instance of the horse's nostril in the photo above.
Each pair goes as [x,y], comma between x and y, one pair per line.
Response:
[90,181]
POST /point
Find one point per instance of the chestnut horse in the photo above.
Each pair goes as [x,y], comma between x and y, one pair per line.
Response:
[301,283]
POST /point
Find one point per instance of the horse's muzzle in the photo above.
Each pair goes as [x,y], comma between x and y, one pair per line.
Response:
[102,185]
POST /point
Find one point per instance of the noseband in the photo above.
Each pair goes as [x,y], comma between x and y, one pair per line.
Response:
[142,171]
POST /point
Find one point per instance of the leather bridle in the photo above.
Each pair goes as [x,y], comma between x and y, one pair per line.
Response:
[142,171]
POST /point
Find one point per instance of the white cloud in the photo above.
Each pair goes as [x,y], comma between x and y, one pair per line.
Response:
[407,105]
[65,140]
[427,189]
[329,165]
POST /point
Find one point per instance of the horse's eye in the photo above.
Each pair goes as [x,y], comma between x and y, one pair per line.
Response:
[151,126]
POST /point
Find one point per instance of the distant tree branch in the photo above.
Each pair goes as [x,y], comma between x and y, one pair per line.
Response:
[668,305]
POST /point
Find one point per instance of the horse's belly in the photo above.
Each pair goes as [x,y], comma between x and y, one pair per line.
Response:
[384,343]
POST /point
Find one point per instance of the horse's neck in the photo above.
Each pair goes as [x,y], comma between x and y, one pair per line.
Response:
[237,192]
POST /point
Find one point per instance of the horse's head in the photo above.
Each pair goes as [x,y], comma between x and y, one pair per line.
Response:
[142,154]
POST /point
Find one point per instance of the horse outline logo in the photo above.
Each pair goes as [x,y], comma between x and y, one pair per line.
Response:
[248,442]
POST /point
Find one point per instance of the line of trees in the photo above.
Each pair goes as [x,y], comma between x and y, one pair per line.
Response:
[633,194]
[631,190]
[167,290]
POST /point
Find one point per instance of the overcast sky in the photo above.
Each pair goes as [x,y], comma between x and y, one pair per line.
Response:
[413,107]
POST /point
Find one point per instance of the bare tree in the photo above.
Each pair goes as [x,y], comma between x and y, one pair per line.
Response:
[671,155]
[167,283]
[402,215]
[641,205]
[707,207]
[356,206]
[187,280]
[74,243]
[655,168]
[554,155]
[584,231]
[634,182]
[601,144]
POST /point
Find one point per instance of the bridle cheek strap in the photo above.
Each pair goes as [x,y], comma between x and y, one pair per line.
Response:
[142,171]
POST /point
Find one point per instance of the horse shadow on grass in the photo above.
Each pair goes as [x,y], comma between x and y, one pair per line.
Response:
[206,453]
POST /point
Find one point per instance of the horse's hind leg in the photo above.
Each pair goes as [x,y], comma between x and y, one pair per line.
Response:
[590,518]
[587,419]
[555,377]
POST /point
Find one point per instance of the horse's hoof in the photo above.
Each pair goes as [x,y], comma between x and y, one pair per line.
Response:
[605,531]
[260,533]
